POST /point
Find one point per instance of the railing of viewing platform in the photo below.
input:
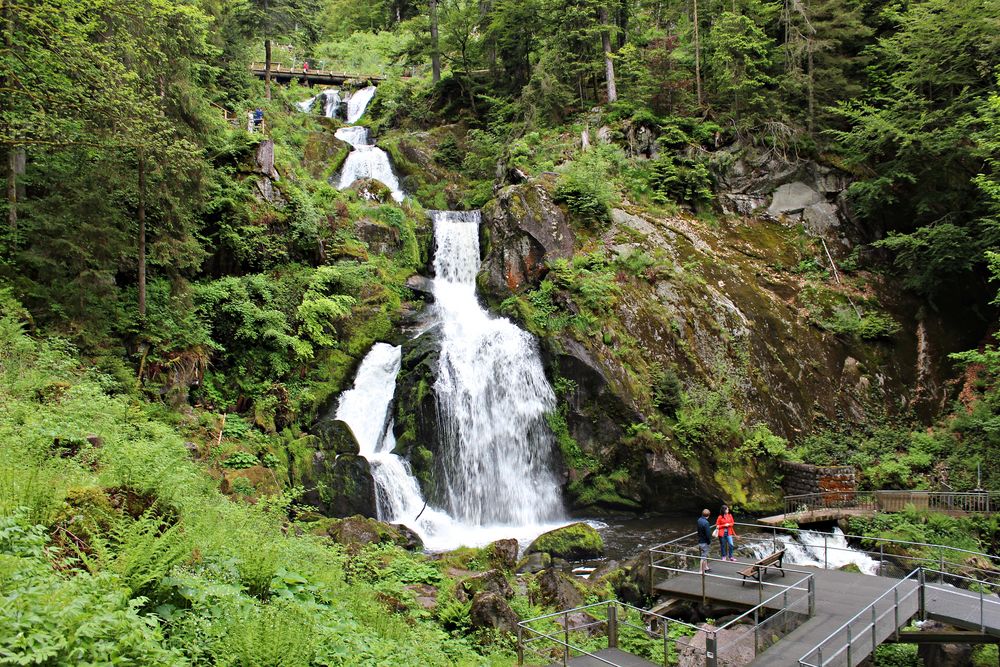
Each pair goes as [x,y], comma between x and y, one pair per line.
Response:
[564,635]
[780,608]
[970,502]
[863,632]
[893,558]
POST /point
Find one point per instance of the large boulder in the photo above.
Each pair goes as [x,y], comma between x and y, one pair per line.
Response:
[492,581]
[522,230]
[557,589]
[535,562]
[372,190]
[490,610]
[344,485]
[324,154]
[503,554]
[358,531]
[576,541]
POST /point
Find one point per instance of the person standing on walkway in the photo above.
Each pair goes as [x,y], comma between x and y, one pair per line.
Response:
[704,539]
[725,525]
[250,122]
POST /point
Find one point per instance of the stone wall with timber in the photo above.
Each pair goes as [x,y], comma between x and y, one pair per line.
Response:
[802,478]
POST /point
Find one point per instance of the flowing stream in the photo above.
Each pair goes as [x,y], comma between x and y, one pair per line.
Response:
[809,548]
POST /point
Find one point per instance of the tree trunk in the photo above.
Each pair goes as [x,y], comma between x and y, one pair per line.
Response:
[12,187]
[267,68]
[435,53]
[697,56]
[142,236]
[609,64]
[11,166]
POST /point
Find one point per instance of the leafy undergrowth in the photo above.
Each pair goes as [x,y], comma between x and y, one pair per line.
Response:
[116,548]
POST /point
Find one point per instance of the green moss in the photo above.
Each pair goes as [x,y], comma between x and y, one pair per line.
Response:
[571,542]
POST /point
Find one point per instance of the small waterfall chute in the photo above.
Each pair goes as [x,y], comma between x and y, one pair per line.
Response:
[817,549]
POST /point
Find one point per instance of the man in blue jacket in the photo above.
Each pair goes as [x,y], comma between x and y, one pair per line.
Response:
[704,539]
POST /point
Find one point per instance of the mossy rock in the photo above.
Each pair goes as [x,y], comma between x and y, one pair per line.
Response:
[357,531]
[573,542]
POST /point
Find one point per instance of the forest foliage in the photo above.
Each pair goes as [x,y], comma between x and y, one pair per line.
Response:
[150,287]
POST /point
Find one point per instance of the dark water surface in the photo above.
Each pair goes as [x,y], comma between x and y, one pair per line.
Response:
[624,538]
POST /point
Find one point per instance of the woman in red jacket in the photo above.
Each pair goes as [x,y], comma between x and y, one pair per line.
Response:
[725,525]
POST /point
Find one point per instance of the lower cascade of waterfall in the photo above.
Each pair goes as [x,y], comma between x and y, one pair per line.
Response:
[818,550]
[492,398]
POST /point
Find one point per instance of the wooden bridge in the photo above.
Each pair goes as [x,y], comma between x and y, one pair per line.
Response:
[282,74]
[811,617]
[834,505]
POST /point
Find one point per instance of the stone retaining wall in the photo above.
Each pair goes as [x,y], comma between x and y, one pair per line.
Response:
[801,478]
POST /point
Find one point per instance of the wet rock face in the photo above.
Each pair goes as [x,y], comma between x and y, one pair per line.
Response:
[491,581]
[346,485]
[523,229]
[503,554]
[415,423]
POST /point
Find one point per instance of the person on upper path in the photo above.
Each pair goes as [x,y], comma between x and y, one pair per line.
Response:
[704,539]
[725,525]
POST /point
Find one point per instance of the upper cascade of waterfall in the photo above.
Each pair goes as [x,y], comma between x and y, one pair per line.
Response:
[492,396]
[357,103]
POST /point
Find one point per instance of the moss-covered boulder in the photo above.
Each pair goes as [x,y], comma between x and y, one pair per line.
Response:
[503,554]
[324,154]
[535,562]
[558,589]
[358,531]
[573,542]
[490,610]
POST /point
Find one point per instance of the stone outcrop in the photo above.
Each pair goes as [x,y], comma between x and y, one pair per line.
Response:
[522,230]
[557,589]
[490,610]
[802,478]
[503,554]
[382,239]
[491,581]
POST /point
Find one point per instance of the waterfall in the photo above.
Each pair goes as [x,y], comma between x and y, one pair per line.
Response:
[357,103]
[495,449]
[331,102]
[492,396]
[807,548]
[365,160]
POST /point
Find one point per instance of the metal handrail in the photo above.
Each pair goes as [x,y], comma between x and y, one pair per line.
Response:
[567,646]
[879,540]
[890,500]
[819,647]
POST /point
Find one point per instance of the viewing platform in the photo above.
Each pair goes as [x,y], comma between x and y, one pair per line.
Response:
[810,617]
[830,506]
[282,74]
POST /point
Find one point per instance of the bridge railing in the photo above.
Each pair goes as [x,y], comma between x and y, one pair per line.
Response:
[564,635]
[894,501]
[859,636]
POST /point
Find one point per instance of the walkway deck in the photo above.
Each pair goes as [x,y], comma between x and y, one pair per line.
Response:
[816,516]
[839,597]
[282,74]
[613,656]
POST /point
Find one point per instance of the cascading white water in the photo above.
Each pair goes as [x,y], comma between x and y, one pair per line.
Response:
[365,160]
[358,102]
[331,102]
[809,548]
[492,396]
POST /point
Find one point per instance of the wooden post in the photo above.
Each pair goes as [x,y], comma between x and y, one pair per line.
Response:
[566,639]
[520,645]
[612,625]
